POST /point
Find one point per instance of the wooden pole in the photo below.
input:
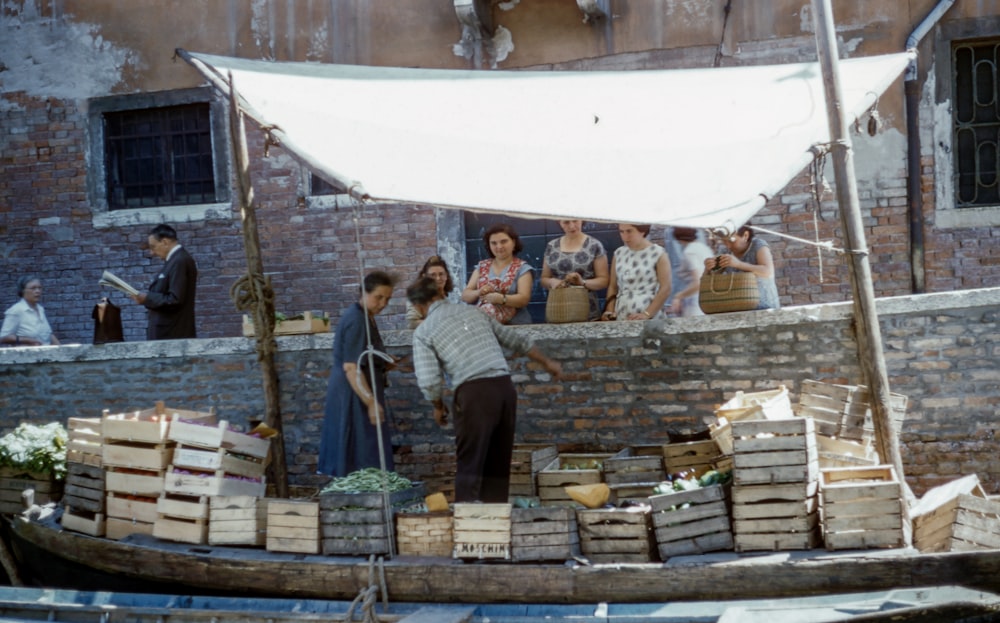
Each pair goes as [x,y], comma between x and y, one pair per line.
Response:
[257,290]
[869,334]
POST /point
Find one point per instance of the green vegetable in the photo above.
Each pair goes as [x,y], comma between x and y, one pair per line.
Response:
[368,480]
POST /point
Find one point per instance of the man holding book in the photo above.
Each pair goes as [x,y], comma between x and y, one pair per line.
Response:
[170,299]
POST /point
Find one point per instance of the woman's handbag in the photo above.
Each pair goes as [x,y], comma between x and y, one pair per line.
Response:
[569,304]
[728,292]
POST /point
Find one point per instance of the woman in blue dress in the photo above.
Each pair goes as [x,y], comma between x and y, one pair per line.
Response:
[349,440]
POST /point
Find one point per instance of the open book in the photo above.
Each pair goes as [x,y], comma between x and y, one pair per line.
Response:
[111,280]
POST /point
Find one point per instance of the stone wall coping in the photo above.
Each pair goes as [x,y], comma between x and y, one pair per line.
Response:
[787,317]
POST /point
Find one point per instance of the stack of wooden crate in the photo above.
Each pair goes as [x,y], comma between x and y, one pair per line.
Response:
[692,521]
[135,454]
[769,404]
[609,535]
[775,485]
[208,460]
[525,463]
[633,473]
[359,524]
[862,507]
[547,533]
[569,470]
[83,496]
[482,531]
[956,516]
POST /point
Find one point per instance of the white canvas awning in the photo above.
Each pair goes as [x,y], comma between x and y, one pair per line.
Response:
[697,148]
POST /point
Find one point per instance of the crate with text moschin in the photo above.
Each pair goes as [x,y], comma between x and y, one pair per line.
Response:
[482,531]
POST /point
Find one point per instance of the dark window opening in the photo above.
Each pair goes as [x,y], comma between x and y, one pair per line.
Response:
[159,157]
[976,114]
[320,187]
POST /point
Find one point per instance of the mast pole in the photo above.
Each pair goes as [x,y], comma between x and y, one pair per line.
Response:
[869,334]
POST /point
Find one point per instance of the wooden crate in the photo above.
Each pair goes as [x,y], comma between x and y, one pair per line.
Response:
[569,470]
[237,520]
[627,467]
[633,492]
[84,441]
[538,534]
[135,455]
[13,484]
[137,482]
[935,517]
[84,490]
[147,425]
[610,535]
[214,436]
[183,507]
[307,324]
[425,534]
[357,523]
[776,517]
[116,528]
[774,451]
[84,522]
[525,463]
[482,531]
[691,458]
[862,508]
[844,411]
[293,526]
[183,482]
[181,530]
[131,508]
[835,452]
[692,522]
[772,404]
[215,460]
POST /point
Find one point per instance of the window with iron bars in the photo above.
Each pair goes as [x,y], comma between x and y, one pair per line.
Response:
[159,157]
[976,123]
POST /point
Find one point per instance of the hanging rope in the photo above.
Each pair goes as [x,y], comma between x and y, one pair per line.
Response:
[370,350]
[249,293]
[819,187]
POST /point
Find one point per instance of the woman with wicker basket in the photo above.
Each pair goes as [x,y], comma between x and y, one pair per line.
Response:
[575,260]
[501,285]
[752,255]
[640,277]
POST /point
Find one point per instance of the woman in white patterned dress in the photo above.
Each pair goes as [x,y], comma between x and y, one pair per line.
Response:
[640,277]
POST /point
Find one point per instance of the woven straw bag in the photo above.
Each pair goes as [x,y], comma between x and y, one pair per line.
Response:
[728,292]
[569,304]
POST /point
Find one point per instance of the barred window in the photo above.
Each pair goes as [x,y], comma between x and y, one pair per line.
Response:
[159,157]
[976,118]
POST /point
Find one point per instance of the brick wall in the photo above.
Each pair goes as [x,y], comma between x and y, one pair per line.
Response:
[625,383]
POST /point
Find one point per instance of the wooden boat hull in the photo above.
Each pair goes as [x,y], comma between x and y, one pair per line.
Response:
[235,571]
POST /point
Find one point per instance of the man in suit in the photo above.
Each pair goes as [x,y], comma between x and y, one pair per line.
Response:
[170,299]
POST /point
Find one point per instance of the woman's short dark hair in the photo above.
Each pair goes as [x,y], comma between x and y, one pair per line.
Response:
[422,291]
[745,229]
[685,234]
[502,228]
[378,278]
[435,260]
[22,284]
[643,228]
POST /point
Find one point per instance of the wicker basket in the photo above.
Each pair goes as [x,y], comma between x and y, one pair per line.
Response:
[728,292]
[569,304]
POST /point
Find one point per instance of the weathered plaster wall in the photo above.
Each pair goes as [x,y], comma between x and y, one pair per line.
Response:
[625,383]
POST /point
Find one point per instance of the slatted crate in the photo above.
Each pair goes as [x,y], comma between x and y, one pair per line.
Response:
[136,455]
[691,458]
[525,463]
[184,481]
[538,534]
[844,411]
[127,514]
[775,478]
[293,526]
[84,441]
[835,452]
[83,499]
[237,520]
[862,508]
[116,528]
[218,460]
[691,522]
[147,425]
[610,535]
[136,482]
[92,524]
[14,482]
[765,405]
[425,534]
[357,523]
[629,467]
[955,516]
[569,470]
[482,531]
[212,436]
[181,518]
